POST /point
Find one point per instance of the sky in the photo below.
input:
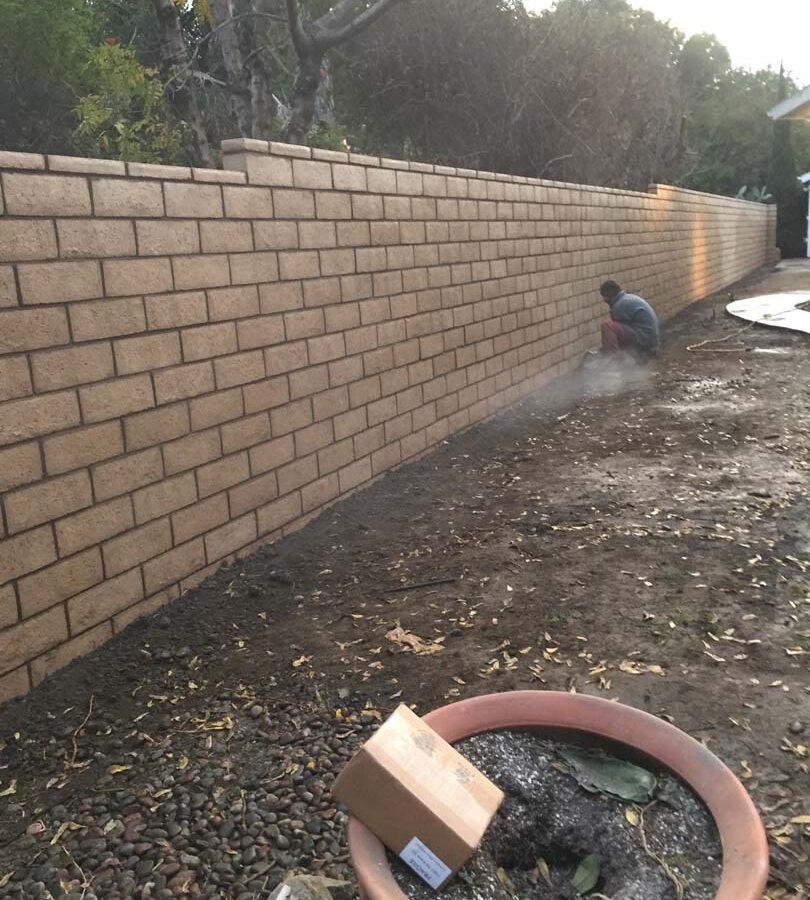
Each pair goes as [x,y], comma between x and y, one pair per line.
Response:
[756,33]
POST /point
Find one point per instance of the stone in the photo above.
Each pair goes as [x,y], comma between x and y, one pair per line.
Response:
[312,887]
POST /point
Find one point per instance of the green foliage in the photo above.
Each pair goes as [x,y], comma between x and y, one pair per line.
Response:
[586,91]
[329,136]
[125,117]
[587,874]
[783,162]
[597,772]
[702,64]
[729,133]
[44,46]
[594,91]
[733,141]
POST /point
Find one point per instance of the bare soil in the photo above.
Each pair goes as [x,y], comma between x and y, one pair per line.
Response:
[548,827]
[616,523]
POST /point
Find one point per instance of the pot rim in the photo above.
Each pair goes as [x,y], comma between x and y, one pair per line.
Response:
[744,842]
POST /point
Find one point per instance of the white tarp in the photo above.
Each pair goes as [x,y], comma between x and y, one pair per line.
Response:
[779,310]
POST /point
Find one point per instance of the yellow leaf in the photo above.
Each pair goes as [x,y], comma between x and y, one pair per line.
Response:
[632,816]
[505,880]
[542,868]
[183,762]
[406,639]
[801,820]
[11,789]
[115,770]
[631,667]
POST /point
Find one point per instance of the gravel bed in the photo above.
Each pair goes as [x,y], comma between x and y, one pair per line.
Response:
[221,807]
[547,815]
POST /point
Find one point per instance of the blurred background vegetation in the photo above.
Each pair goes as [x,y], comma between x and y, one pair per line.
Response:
[589,91]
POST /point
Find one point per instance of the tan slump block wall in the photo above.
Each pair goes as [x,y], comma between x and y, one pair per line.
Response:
[193,362]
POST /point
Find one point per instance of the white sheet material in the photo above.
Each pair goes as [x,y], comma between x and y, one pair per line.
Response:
[779,310]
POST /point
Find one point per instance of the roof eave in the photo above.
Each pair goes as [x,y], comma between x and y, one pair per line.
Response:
[795,107]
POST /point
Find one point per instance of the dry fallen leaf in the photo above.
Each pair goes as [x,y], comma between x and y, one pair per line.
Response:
[115,770]
[11,789]
[506,881]
[632,816]
[408,640]
[542,868]
[631,667]
[798,750]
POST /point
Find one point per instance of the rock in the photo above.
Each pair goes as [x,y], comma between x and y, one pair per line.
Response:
[312,887]
[181,881]
[796,727]
[256,711]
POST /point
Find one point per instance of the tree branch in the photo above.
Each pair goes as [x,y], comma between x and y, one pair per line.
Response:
[328,31]
[300,38]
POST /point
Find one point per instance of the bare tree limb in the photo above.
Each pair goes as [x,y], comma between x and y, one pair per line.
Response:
[329,37]
[551,162]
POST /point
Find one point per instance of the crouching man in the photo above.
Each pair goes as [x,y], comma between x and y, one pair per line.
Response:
[633,325]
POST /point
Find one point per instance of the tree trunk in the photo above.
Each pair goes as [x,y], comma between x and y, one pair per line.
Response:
[224,13]
[261,74]
[325,97]
[345,20]
[179,78]
[303,98]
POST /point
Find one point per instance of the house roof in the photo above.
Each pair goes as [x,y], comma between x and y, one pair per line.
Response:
[795,107]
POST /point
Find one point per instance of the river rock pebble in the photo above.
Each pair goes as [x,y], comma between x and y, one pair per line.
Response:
[225,810]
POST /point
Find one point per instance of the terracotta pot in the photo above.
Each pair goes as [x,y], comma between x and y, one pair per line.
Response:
[620,729]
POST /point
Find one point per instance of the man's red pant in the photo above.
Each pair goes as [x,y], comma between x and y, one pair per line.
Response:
[614,337]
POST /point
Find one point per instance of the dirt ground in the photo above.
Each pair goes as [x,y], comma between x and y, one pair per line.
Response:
[611,524]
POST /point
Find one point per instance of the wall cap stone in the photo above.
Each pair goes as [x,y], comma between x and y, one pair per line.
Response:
[10,159]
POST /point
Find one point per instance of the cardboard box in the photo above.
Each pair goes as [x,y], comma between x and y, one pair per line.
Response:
[421,797]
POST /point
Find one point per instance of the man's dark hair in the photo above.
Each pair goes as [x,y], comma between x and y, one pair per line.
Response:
[610,289]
